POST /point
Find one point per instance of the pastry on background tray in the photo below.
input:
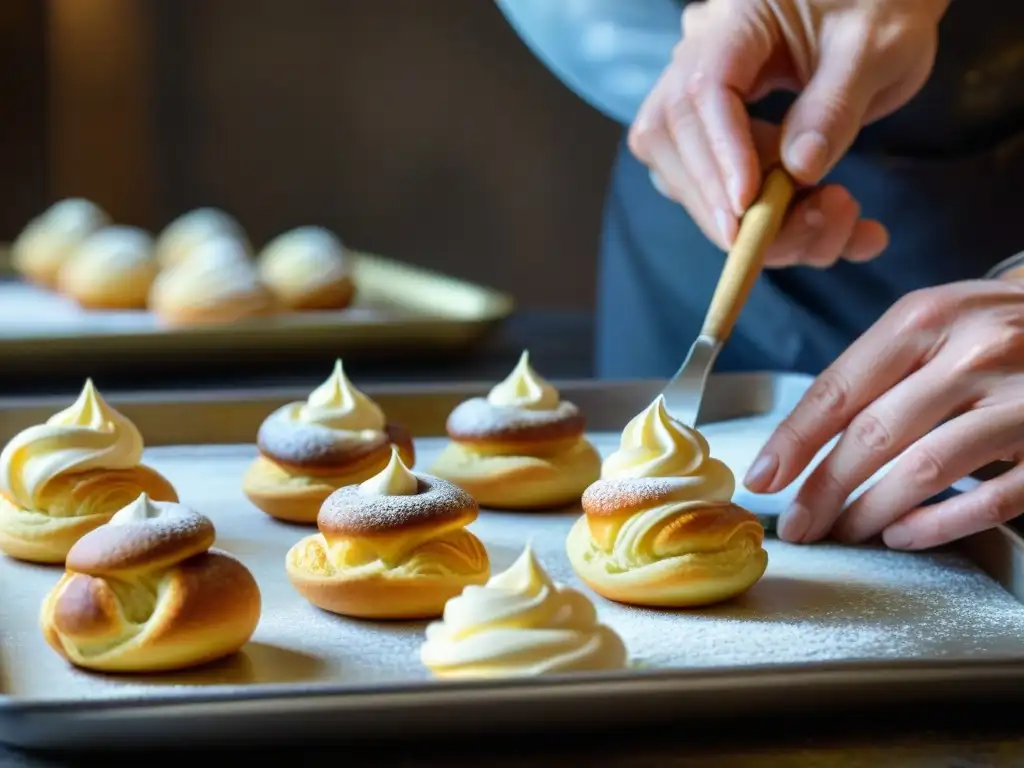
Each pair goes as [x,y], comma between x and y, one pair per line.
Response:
[179,238]
[145,593]
[45,244]
[216,284]
[113,268]
[520,624]
[308,450]
[521,447]
[62,479]
[308,268]
[659,528]
[393,547]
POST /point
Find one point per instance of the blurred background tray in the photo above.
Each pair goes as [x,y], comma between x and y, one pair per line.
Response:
[399,308]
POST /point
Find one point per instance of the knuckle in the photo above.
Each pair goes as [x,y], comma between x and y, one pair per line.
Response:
[924,468]
[790,432]
[1002,346]
[870,433]
[996,506]
[922,311]
[829,393]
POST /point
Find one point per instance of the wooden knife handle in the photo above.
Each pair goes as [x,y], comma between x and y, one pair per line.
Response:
[758,229]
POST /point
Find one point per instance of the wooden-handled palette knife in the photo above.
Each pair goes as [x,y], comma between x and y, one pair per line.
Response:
[758,228]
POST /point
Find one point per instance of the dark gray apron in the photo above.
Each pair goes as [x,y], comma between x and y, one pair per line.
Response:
[945,175]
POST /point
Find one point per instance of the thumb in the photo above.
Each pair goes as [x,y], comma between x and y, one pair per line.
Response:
[827,116]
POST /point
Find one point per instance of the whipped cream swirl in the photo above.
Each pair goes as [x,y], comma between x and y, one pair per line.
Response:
[524,388]
[86,436]
[520,623]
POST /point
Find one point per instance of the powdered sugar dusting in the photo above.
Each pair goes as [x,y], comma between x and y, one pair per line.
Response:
[280,436]
[436,501]
[478,418]
[815,603]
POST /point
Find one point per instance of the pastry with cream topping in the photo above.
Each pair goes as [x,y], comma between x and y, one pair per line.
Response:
[113,268]
[62,479]
[393,547]
[521,447]
[217,283]
[308,268]
[308,450]
[659,528]
[145,593]
[48,241]
[180,238]
[520,624]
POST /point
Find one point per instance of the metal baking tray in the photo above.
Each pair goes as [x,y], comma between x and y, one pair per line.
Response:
[828,627]
[397,306]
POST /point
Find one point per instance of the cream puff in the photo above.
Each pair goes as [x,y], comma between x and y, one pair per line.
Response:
[521,447]
[62,479]
[216,284]
[46,243]
[307,268]
[145,593]
[393,547]
[520,624]
[308,450]
[113,268]
[659,528]
[179,238]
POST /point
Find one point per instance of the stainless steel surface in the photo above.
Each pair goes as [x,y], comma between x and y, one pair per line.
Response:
[684,392]
[781,648]
[609,52]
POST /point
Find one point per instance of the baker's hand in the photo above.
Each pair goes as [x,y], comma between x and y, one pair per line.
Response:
[851,61]
[951,356]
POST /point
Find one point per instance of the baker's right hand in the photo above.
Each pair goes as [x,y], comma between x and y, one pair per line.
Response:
[850,61]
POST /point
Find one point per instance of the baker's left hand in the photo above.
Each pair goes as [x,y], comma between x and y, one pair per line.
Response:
[940,374]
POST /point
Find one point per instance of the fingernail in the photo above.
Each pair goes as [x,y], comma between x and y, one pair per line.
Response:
[735,194]
[897,537]
[793,523]
[808,153]
[658,184]
[761,472]
[724,223]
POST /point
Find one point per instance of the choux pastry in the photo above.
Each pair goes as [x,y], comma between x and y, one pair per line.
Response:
[113,268]
[338,437]
[659,528]
[394,547]
[216,284]
[307,268]
[520,624]
[521,447]
[145,593]
[46,243]
[179,238]
[62,479]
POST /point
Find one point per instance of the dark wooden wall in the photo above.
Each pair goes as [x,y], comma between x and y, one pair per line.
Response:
[421,129]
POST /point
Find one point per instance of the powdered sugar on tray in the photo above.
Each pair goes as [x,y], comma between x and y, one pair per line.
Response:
[815,603]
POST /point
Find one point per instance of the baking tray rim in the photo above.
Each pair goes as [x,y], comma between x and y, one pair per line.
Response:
[702,681]
[494,306]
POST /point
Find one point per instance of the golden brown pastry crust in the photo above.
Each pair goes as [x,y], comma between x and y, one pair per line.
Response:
[686,553]
[390,557]
[337,294]
[150,598]
[301,465]
[71,506]
[508,457]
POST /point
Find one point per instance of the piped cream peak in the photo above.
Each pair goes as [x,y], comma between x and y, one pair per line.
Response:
[654,444]
[394,480]
[524,388]
[339,405]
